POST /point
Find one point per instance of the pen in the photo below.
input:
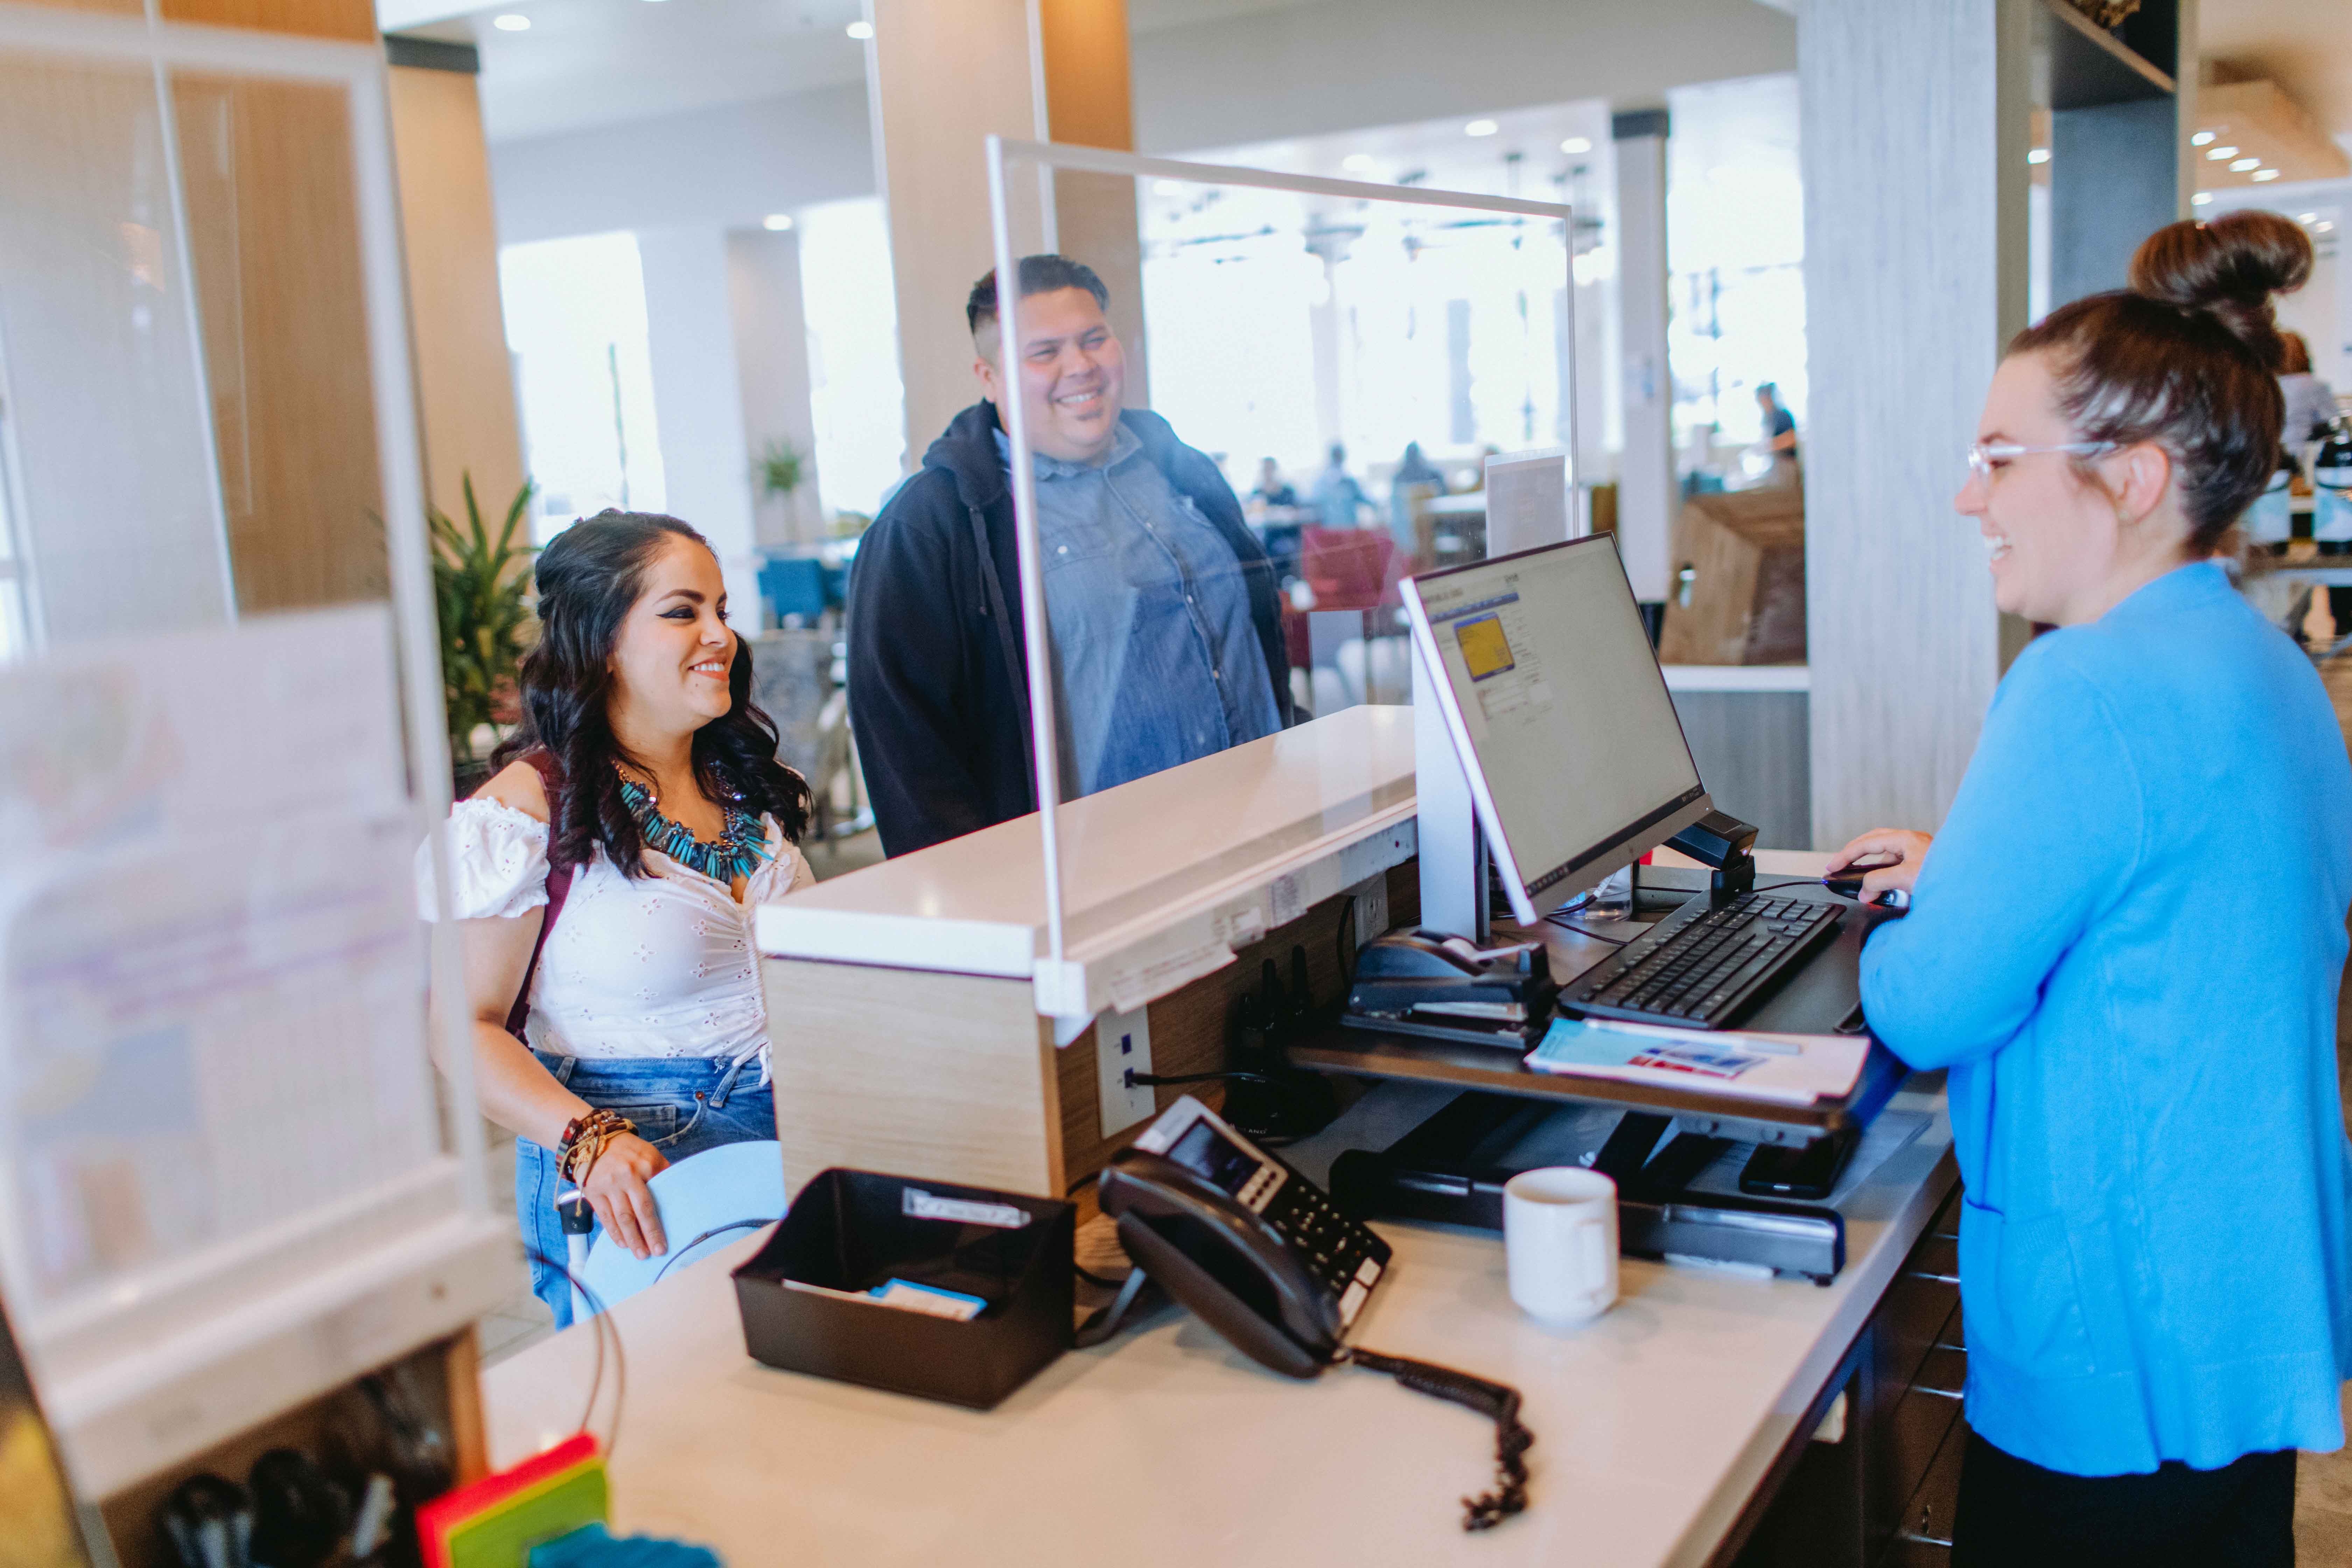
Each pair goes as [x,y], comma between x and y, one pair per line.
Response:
[1756,1042]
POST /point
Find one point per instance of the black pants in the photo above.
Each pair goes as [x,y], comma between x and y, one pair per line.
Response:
[2013,1514]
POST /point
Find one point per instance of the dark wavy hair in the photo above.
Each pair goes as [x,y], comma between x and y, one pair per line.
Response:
[588,579]
[2187,357]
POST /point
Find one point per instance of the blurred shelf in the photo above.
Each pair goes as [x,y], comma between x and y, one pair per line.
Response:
[2080,66]
[124,1418]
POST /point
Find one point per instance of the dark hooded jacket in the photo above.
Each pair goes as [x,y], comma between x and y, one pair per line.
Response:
[938,688]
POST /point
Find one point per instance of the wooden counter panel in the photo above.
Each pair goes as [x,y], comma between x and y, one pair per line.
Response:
[914,1073]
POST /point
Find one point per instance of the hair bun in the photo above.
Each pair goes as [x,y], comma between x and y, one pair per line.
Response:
[2228,268]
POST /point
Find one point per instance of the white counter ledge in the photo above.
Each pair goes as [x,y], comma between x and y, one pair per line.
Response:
[1654,1424]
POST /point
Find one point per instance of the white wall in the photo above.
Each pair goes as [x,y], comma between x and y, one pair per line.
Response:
[724,167]
[705,466]
[1343,64]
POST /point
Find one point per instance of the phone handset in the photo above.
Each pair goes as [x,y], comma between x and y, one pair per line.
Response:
[1264,1257]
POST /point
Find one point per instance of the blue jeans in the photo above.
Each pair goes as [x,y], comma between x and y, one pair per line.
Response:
[681,1105]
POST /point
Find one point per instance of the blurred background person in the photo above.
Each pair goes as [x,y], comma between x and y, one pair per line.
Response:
[1337,495]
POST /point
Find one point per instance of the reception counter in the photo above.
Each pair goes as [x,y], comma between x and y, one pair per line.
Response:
[923,1026]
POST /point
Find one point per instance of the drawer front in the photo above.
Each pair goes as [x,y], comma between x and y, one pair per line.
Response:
[1927,1526]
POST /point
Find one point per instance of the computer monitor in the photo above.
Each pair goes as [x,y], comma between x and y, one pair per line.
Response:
[1574,757]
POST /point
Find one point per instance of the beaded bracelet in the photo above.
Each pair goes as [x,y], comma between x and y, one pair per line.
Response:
[585,1137]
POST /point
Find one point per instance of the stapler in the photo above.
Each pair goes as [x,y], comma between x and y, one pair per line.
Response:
[1428,983]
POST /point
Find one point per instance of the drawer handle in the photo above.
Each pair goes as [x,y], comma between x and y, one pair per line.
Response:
[1936,1278]
[1915,1539]
[1948,1345]
[1938,1393]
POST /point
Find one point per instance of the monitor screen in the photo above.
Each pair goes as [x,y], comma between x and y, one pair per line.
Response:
[1578,761]
[1206,1150]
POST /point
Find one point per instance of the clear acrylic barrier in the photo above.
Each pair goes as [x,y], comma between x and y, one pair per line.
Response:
[1208,578]
[220,736]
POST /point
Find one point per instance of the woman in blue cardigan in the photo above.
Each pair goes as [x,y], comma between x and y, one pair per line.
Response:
[2126,945]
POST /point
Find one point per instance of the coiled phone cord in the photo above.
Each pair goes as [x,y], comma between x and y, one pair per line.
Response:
[1499,1402]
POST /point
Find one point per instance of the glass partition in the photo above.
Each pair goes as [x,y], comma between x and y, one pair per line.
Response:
[1219,492]
[220,705]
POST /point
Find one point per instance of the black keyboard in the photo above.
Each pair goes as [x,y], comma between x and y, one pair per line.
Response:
[1703,968]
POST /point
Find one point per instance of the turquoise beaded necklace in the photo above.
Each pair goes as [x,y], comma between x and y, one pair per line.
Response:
[741,849]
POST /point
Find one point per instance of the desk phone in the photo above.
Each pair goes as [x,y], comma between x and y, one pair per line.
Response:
[1256,1249]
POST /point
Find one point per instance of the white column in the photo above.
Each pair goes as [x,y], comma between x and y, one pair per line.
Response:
[1915,130]
[771,362]
[698,401]
[942,75]
[1645,474]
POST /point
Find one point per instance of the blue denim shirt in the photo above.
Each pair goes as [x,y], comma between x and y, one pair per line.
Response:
[1156,660]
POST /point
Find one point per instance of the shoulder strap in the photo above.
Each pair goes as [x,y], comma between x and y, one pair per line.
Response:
[559,887]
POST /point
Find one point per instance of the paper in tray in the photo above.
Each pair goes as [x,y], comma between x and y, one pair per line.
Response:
[1786,1069]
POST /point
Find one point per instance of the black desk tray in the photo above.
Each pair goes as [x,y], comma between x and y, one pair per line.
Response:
[851,1230]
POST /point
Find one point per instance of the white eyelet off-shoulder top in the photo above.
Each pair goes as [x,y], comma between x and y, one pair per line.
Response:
[660,966]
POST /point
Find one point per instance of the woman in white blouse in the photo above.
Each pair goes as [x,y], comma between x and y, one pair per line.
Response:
[646,778]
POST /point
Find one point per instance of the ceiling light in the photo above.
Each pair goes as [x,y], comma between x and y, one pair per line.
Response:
[1480,128]
[2266,175]
[2306,217]
[1357,162]
[860,30]
[1576,145]
[2203,139]
[2220,155]
[776,222]
[511,22]
[2324,226]
[2037,155]
[2240,165]
[2202,199]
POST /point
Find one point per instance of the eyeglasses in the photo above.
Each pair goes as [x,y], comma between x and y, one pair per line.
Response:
[1983,455]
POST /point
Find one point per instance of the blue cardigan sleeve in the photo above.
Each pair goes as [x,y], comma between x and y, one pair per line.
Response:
[2046,832]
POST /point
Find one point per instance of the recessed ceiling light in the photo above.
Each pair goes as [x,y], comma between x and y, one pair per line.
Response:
[2037,155]
[860,29]
[2324,226]
[1357,163]
[2221,154]
[2306,217]
[511,22]
[1480,128]
[2266,175]
[1576,145]
[776,222]
[2202,199]
[2203,139]
[2240,165]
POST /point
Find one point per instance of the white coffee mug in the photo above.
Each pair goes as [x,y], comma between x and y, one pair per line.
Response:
[1559,1238]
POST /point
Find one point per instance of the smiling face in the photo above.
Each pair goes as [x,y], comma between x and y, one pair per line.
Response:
[675,650]
[1072,374]
[2064,549]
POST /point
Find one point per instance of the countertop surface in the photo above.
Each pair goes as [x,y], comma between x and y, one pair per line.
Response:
[1654,1423]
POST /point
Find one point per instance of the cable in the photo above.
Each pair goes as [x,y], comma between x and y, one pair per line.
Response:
[1498,1401]
[1091,1277]
[599,1319]
[678,1252]
[1570,925]
[1153,1079]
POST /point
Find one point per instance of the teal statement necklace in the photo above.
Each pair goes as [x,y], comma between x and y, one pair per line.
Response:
[741,849]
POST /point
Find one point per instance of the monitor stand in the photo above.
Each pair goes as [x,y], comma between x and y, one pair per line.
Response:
[1456,869]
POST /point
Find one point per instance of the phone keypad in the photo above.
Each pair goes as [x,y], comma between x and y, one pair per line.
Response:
[1344,1255]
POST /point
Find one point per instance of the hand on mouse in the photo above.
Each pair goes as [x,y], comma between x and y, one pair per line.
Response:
[1891,857]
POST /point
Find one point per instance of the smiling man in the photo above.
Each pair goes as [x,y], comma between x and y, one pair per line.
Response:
[1166,631]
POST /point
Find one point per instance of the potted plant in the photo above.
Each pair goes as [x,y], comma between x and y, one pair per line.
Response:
[481,588]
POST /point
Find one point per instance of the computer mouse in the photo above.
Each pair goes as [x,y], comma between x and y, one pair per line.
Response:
[1846,880]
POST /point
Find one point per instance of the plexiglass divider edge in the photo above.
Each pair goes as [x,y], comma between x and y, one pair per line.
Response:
[1329,568]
